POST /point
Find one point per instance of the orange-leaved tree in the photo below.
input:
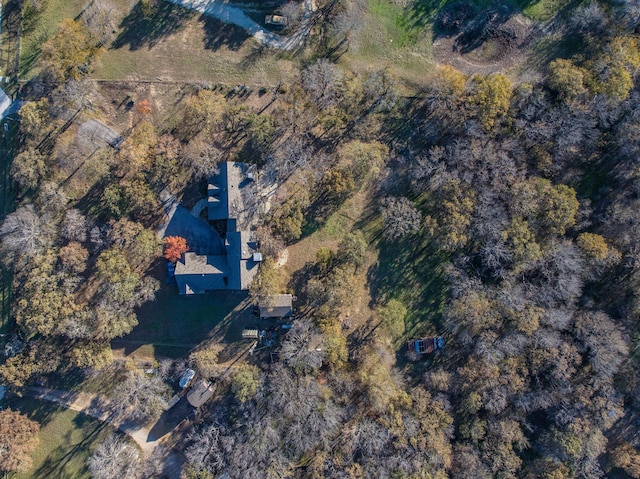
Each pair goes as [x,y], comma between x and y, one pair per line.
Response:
[174,246]
[144,107]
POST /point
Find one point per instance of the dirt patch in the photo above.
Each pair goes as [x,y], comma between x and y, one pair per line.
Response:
[493,41]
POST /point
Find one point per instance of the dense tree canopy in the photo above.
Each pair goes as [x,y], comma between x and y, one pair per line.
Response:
[498,211]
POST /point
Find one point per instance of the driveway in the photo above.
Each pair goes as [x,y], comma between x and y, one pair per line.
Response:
[201,237]
[224,12]
[148,437]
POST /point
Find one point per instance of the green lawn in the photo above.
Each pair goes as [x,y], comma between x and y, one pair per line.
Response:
[544,9]
[172,325]
[391,38]
[410,270]
[38,27]
[67,439]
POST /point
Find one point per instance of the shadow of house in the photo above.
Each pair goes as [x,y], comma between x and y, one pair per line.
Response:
[170,419]
[202,238]
[218,34]
[232,199]
[140,30]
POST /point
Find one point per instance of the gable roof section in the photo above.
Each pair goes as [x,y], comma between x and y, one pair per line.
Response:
[196,274]
[242,268]
[217,195]
[232,195]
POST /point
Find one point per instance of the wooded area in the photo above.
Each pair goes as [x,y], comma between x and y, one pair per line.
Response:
[499,210]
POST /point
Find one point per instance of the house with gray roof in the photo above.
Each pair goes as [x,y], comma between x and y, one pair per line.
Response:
[232,197]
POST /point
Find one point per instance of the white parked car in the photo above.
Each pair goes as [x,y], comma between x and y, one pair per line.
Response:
[186,378]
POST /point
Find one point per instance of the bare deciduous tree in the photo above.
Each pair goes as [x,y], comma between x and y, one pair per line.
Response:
[202,160]
[114,458]
[101,19]
[321,81]
[602,338]
[74,226]
[303,348]
[400,217]
[140,397]
[24,232]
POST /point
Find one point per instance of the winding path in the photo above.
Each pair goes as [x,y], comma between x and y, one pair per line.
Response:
[224,12]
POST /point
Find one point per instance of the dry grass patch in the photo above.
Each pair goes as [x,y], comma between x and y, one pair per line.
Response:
[202,50]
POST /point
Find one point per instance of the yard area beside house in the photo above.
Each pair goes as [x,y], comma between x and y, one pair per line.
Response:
[172,325]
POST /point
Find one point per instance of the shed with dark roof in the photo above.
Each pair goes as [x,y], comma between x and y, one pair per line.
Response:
[277,306]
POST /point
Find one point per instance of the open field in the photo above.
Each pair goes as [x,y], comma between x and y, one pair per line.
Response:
[404,40]
[173,44]
[177,44]
[389,39]
[38,27]
[195,48]
[66,440]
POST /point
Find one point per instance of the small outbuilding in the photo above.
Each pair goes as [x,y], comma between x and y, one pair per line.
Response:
[200,393]
[278,306]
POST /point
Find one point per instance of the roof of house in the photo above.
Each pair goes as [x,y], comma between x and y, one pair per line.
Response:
[276,306]
[232,195]
[242,268]
[196,274]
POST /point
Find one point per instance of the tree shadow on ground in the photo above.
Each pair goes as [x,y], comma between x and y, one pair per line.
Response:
[412,270]
[218,34]
[37,410]
[140,30]
[555,46]
[55,466]
[174,324]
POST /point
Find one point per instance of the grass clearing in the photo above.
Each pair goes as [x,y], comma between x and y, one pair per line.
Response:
[67,439]
[201,50]
[411,270]
[38,27]
[390,38]
[174,44]
[544,10]
[172,325]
